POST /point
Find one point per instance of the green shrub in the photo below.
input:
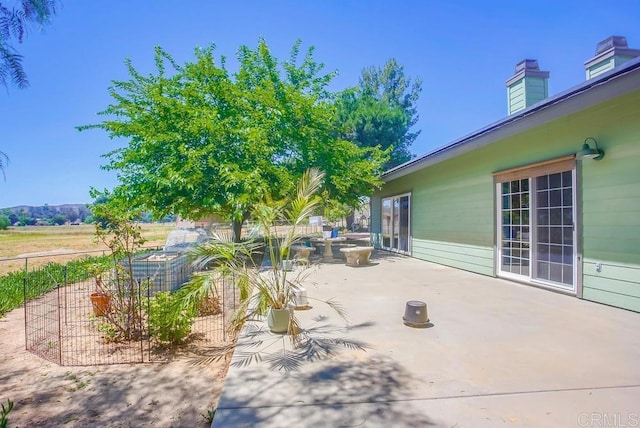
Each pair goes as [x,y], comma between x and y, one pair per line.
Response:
[110,333]
[169,321]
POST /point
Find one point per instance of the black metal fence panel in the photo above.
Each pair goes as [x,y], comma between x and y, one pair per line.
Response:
[42,326]
[87,335]
[71,326]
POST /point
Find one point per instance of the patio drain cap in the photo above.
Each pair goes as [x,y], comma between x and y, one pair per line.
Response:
[415,314]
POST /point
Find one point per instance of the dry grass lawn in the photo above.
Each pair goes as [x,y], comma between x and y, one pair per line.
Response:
[40,242]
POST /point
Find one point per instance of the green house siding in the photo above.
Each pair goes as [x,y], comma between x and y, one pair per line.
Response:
[453,201]
[536,90]
[452,213]
[516,97]
[611,210]
[615,284]
[526,92]
[600,68]
[468,257]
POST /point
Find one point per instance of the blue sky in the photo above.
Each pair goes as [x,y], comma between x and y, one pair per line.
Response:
[463,51]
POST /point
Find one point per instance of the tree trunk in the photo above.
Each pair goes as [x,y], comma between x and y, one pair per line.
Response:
[350,219]
[237,229]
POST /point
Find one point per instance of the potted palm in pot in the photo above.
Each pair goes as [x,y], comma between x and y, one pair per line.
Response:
[270,292]
[275,289]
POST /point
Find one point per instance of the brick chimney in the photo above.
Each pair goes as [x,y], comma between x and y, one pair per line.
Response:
[610,53]
[527,86]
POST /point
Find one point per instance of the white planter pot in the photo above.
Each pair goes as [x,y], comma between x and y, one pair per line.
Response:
[300,298]
[287,265]
[278,320]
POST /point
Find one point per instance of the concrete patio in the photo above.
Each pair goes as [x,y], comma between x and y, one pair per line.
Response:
[496,353]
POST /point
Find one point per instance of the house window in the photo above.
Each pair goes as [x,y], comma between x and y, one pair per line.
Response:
[536,224]
[396,223]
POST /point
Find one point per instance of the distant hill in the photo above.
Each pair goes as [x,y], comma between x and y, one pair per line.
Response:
[47,214]
[28,208]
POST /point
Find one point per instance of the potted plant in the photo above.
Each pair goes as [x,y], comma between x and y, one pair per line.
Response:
[271,292]
[100,298]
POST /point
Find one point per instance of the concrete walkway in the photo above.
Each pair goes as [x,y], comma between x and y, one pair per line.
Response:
[497,353]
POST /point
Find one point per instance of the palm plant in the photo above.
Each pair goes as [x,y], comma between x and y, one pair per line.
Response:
[275,288]
[215,261]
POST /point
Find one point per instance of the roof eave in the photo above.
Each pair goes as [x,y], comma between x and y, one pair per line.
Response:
[594,91]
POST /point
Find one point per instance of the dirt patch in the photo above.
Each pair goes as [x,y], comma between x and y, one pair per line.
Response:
[175,393]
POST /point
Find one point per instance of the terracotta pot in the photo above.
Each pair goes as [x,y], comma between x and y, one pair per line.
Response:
[101,303]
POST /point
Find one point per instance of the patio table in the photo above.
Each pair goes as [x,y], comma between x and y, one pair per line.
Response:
[327,256]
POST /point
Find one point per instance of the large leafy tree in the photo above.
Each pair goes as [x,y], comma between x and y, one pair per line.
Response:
[14,25]
[370,122]
[381,111]
[203,140]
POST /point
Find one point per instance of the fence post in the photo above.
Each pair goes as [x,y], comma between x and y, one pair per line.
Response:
[139,284]
[225,303]
[224,307]
[59,326]
[148,310]
[24,288]
[66,302]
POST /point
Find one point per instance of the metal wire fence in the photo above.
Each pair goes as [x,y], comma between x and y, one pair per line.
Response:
[64,325]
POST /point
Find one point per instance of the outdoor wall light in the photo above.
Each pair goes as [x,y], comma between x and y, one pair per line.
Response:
[588,153]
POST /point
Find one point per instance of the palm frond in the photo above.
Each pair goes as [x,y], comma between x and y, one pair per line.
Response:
[223,253]
[336,306]
[213,354]
[306,200]
[285,360]
[201,286]
[11,63]
[271,287]
[244,359]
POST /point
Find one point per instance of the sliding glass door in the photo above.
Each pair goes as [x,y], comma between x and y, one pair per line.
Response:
[395,229]
[536,240]
[555,248]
